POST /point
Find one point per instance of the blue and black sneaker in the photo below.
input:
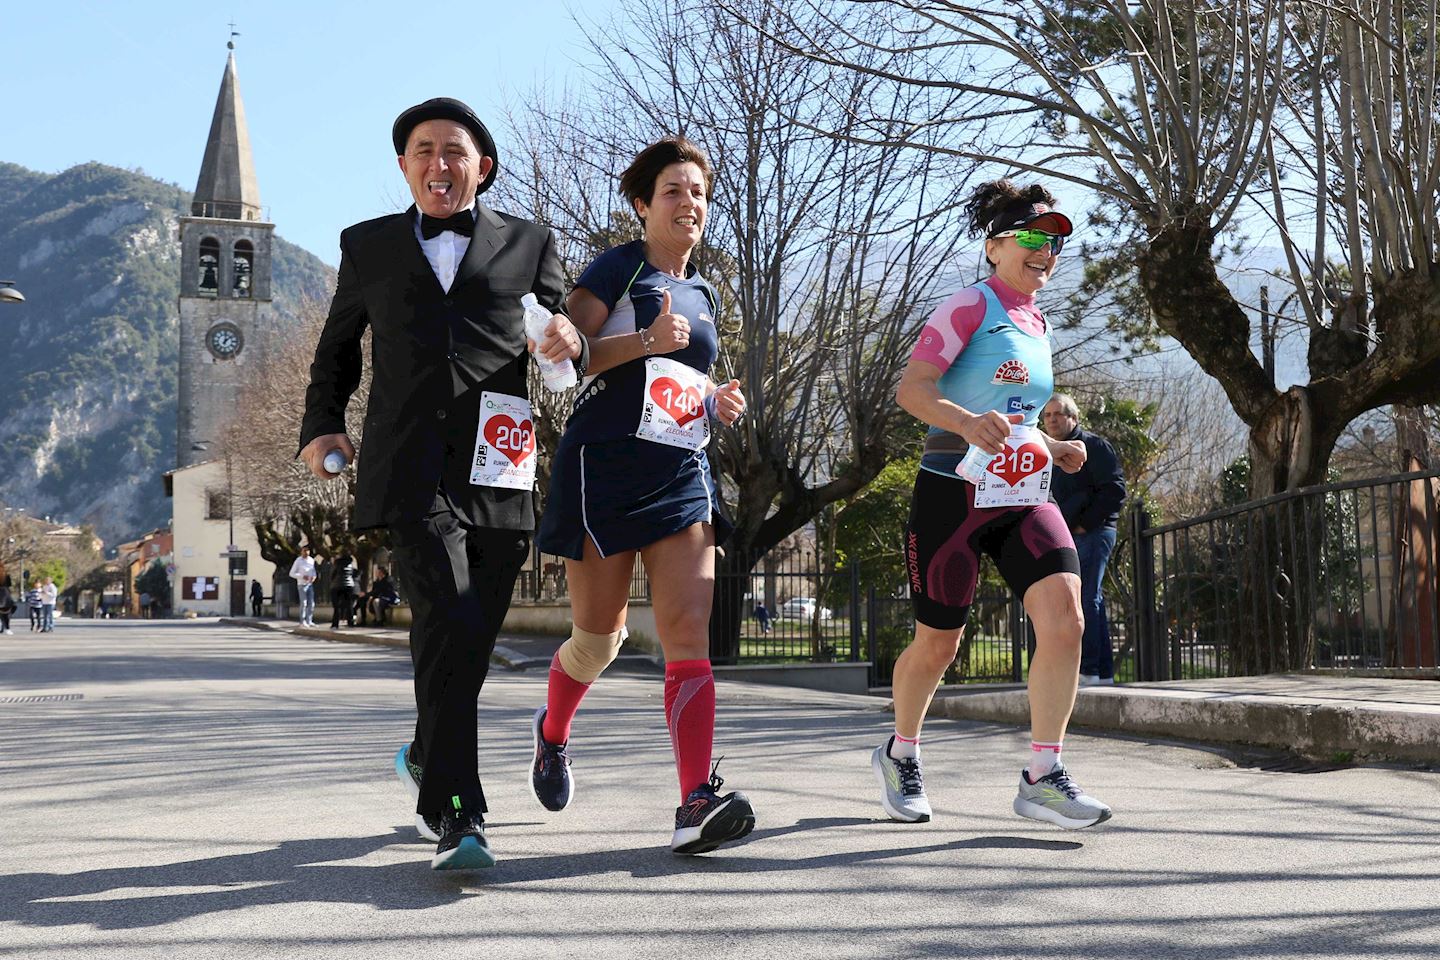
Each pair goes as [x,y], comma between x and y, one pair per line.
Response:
[409,774]
[706,820]
[462,843]
[550,777]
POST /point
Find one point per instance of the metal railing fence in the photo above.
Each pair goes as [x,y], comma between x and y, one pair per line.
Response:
[1339,576]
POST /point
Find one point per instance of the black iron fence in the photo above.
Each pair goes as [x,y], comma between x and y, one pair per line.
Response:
[542,580]
[1340,576]
[787,608]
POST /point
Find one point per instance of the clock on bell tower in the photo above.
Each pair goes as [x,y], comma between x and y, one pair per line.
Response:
[225,308]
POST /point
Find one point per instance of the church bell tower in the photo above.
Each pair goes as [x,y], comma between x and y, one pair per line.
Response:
[225,308]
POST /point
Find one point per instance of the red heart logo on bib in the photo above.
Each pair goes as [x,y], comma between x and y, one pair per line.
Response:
[682,403]
[515,440]
[1020,462]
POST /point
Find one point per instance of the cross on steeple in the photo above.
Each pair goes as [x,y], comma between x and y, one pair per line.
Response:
[230,44]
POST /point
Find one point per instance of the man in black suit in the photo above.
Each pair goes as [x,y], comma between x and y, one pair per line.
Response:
[449,450]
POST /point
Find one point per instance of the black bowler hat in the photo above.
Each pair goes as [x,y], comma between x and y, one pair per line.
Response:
[1022,214]
[446,108]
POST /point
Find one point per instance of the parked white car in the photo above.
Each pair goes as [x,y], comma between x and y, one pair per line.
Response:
[801,608]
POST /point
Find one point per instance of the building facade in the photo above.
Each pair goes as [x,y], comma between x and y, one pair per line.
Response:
[208,581]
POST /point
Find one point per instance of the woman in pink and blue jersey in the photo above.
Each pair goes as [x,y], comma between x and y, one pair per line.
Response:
[979,376]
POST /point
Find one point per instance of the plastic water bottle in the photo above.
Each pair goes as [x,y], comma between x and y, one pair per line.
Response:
[557,376]
[335,461]
[972,466]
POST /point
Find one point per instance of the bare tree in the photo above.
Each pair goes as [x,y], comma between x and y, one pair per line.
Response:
[1183,116]
[827,250]
[289,504]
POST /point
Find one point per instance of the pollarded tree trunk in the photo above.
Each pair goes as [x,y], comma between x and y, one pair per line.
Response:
[1290,445]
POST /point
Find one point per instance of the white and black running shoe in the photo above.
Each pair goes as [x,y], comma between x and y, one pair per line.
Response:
[1058,799]
[409,775]
[706,820]
[902,786]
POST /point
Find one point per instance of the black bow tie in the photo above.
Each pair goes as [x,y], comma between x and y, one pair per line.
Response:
[462,222]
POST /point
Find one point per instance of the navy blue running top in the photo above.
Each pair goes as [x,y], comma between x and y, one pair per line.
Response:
[609,404]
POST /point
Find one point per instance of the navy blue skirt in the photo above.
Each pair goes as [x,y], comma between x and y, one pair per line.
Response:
[626,494]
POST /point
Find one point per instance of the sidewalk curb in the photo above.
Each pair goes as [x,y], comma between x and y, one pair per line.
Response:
[317,633]
[502,656]
[1406,732]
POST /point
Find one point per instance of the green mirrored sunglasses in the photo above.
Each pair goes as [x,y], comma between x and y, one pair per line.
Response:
[1034,239]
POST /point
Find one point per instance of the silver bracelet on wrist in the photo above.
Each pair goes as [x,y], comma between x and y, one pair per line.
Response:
[645,341]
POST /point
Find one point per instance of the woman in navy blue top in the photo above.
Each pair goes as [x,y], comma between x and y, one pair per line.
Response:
[630,476]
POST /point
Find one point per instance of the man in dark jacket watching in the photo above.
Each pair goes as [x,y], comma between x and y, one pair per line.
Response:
[1090,500]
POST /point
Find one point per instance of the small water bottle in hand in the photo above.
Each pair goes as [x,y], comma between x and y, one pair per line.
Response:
[335,462]
[972,467]
[557,376]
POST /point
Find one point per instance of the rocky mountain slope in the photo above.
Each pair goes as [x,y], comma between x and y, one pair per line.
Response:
[88,363]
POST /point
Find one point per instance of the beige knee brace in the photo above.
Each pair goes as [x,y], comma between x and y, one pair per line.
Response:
[586,655]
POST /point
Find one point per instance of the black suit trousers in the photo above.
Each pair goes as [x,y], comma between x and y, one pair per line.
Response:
[458,580]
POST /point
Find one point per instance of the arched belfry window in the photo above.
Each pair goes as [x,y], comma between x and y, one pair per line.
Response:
[209,265]
[244,267]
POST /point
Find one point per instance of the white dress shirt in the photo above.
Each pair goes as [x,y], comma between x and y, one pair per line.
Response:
[444,251]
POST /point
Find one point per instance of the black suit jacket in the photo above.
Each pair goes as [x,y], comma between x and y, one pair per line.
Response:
[433,354]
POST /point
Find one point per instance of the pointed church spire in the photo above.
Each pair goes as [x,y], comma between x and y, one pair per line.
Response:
[227,187]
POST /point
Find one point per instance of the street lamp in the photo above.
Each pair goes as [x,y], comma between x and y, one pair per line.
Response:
[8,293]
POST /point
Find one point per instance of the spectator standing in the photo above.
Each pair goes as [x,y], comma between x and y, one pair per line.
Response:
[342,591]
[7,607]
[257,598]
[303,570]
[762,617]
[33,601]
[1090,501]
[145,606]
[48,594]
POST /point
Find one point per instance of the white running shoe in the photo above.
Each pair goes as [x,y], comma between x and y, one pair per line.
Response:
[1057,799]
[409,774]
[902,786]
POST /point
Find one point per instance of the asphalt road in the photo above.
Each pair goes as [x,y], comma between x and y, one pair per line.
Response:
[188,790]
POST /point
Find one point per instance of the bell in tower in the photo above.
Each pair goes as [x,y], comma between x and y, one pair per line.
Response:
[225,250]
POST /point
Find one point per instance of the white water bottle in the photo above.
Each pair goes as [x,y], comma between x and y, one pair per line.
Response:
[557,376]
[335,462]
[972,466]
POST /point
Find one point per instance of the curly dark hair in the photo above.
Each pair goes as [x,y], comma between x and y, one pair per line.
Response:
[989,199]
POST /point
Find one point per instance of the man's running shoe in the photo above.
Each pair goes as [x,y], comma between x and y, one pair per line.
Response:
[902,787]
[462,843]
[409,774]
[550,777]
[1059,800]
[705,820]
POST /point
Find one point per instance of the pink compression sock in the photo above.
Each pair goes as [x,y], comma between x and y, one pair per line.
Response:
[561,702]
[690,714]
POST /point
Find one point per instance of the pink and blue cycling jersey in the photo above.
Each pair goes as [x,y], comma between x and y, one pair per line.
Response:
[993,346]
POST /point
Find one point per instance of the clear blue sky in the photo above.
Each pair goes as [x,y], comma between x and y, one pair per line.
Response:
[134,85]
